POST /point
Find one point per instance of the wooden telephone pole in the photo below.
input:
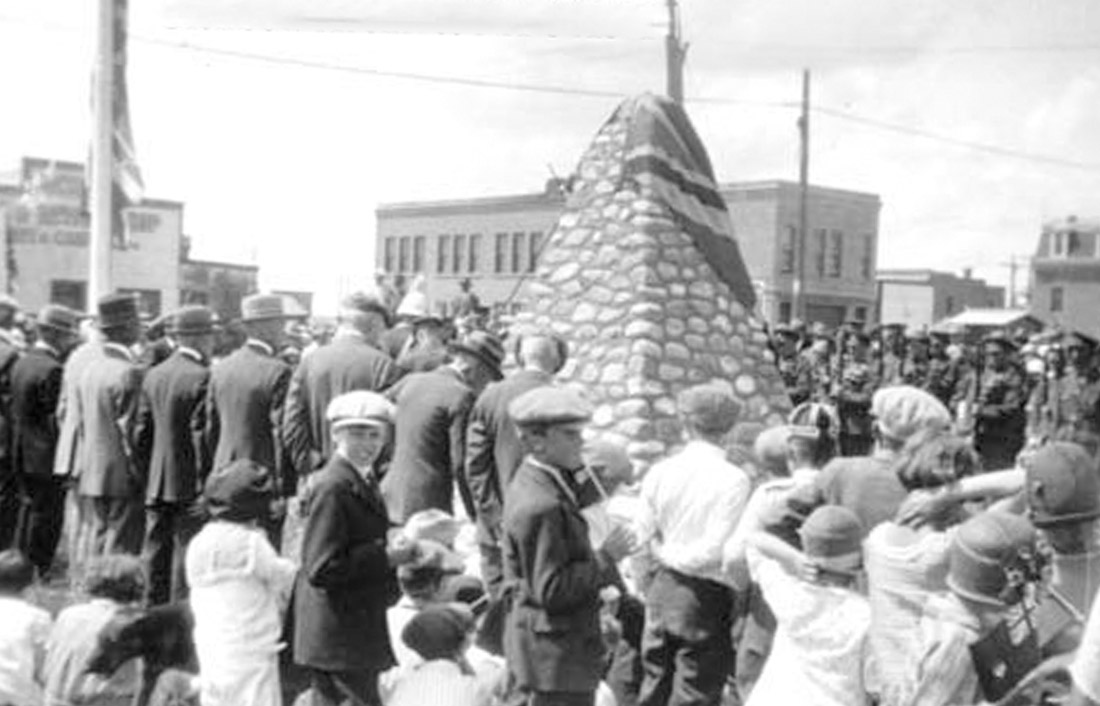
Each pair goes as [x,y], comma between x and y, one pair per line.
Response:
[675,52]
[798,304]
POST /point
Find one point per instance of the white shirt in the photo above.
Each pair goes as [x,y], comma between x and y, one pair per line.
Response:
[24,630]
[820,640]
[1085,669]
[691,504]
[769,498]
[239,590]
[439,682]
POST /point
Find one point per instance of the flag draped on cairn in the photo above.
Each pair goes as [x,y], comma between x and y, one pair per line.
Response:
[643,277]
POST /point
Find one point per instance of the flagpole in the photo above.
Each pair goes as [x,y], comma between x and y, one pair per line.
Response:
[100,236]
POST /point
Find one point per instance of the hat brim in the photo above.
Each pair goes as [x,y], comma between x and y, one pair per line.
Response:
[205,330]
[73,331]
[491,363]
[360,422]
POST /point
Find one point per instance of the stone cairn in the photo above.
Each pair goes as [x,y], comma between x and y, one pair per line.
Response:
[644,313]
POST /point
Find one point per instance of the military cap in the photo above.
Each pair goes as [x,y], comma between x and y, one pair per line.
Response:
[262,307]
[118,310]
[359,408]
[902,410]
[987,551]
[193,320]
[710,408]
[549,405]
[485,347]
[59,318]
[1062,485]
[832,536]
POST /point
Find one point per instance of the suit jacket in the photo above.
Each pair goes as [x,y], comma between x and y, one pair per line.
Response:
[36,390]
[346,582]
[107,398]
[67,461]
[9,354]
[348,363]
[493,450]
[170,426]
[429,443]
[552,639]
[244,411]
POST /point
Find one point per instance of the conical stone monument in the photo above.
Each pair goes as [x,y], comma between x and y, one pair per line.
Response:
[644,279]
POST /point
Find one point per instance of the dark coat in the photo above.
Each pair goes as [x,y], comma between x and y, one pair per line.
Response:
[169,429]
[9,354]
[493,449]
[107,397]
[552,639]
[346,583]
[35,391]
[244,411]
[346,364]
[429,443]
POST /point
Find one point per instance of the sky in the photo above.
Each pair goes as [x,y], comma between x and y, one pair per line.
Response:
[281,160]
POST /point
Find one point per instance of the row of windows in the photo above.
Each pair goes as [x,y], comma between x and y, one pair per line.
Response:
[461,253]
[1072,243]
[827,248]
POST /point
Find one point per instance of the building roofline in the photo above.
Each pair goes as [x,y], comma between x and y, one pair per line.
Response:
[159,203]
[218,263]
[783,184]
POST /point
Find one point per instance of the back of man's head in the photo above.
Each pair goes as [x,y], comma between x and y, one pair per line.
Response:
[540,352]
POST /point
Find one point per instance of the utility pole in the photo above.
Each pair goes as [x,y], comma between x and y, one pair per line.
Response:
[1014,264]
[675,51]
[103,90]
[798,304]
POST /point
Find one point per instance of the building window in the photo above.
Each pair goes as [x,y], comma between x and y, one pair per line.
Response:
[473,262]
[418,254]
[390,257]
[442,252]
[459,263]
[403,255]
[500,252]
[949,305]
[866,263]
[1056,298]
[534,245]
[786,265]
[861,313]
[518,251]
[1058,244]
[1074,244]
[836,254]
[70,293]
[822,247]
[784,312]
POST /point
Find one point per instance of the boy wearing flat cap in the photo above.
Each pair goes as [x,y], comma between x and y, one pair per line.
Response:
[348,577]
[553,574]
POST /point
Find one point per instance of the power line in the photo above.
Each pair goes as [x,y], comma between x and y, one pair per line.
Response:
[958,142]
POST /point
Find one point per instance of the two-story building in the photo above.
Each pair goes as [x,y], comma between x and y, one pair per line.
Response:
[920,298]
[1065,275]
[495,242]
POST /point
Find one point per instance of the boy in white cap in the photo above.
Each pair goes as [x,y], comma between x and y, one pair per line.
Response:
[820,640]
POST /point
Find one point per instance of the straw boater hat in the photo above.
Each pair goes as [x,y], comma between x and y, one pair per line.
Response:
[263,307]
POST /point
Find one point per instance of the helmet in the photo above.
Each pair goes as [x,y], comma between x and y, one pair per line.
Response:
[992,559]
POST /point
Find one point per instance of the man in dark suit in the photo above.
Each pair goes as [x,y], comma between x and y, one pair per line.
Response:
[493,451]
[348,578]
[430,434]
[170,449]
[111,484]
[552,638]
[36,389]
[244,403]
[10,491]
[352,361]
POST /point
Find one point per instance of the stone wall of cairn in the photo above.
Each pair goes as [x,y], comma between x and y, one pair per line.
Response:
[643,312]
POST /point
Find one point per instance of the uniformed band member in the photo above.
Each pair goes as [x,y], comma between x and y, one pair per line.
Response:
[999,415]
[857,384]
[794,369]
[553,575]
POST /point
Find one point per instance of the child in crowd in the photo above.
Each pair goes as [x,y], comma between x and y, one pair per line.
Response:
[114,583]
[240,589]
[420,585]
[822,623]
[24,629]
[973,647]
[440,635]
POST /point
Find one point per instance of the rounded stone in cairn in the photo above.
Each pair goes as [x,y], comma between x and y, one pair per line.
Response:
[675,328]
[670,372]
[644,329]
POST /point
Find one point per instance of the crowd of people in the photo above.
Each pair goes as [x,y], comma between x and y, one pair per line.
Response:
[412,512]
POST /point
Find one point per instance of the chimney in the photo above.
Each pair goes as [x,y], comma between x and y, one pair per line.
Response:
[968,272]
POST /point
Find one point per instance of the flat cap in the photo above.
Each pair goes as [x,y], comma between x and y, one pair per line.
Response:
[361,408]
[709,408]
[550,405]
[1062,485]
[902,410]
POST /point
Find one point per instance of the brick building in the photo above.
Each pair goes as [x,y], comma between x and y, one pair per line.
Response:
[495,241]
[1065,275]
[920,298]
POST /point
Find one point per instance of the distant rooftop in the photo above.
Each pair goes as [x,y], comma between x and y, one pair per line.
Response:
[988,317]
